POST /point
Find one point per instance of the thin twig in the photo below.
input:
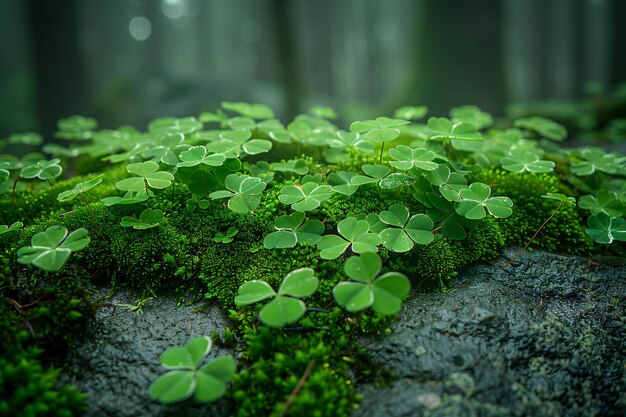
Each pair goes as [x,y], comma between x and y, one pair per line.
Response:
[532,238]
[298,387]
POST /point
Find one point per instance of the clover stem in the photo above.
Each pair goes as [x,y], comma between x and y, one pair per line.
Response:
[93,216]
[14,188]
[534,236]
[382,148]
[298,387]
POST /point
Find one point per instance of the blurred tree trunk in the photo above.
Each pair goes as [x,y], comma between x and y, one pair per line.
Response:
[57,62]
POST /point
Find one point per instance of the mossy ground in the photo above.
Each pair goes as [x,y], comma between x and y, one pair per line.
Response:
[181,255]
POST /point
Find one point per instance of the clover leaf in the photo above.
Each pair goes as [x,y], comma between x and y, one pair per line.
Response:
[128,198]
[380,130]
[292,229]
[354,233]
[402,232]
[226,238]
[411,112]
[206,384]
[383,293]
[44,170]
[148,175]
[522,160]
[604,228]
[244,192]
[165,148]
[471,114]
[545,127]
[342,182]
[305,197]
[441,211]
[374,174]
[80,188]
[445,129]
[293,166]
[605,201]
[595,159]
[6,229]
[476,198]
[323,112]
[27,138]
[51,248]
[172,125]
[76,128]
[351,140]
[449,183]
[148,219]
[251,110]
[407,158]
[233,142]
[197,155]
[286,306]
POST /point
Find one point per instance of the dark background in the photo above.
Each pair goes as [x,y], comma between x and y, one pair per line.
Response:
[362,57]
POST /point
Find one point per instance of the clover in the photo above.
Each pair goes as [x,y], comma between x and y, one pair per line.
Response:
[449,183]
[595,159]
[51,248]
[148,219]
[76,128]
[293,166]
[324,112]
[148,175]
[197,155]
[475,199]
[292,229]
[44,170]
[186,377]
[79,189]
[165,148]
[342,182]
[351,140]
[545,127]
[382,130]
[411,112]
[6,229]
[27,138]
[128,198]
[406,158]
[519,160]
[604,201]
[383,293]
[286,306]
[402,232]
[445,129]
[355,234]
[441,211]
[226,238]
[471,114]
[244,192]
[605,229]
[251,110]
[305,197]
[382,175]
[234,142]
[172,125]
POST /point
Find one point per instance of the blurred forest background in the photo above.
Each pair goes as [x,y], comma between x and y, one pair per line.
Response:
[130,61]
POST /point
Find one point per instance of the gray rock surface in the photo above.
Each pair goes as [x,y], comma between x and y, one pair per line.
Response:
[543,337]
[120,359]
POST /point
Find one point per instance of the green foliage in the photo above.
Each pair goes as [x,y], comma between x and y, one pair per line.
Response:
[476,198]
[79,189]
[605,201]
[411,112]
[6,229]
[244,192]
[148,175]
[355,234]
[593,159]
[522,161]
[148,219]
[383,293]
[226,238]
[407,158]
[400,232]
[305,197]
[44,170]
[382,129]
[545,127]
[445,129]
[604,229]
[76,128]
[50,250]
[185,378]
[252,110]
[292,229]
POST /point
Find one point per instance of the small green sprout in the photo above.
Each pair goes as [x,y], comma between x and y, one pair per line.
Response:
[383,293]
[519,160]
[605,229]
[475,199]
[286,306]
[6,229]
[356,234]
[406,158]
[51,248]
[251,110]
[197,155]
[292,229]
[226,238]
[545,127]
[148,219]
[306,197]
[148,175]
[605,201]
[79,189]
[185,378]
[411,112]
[244,192]
[44,170]
[403,232]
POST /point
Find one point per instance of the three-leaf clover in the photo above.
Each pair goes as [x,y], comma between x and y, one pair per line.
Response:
[382,175]
[356,233]
[406,158]
[148,175]
[76,128]
[384,294]
[342,182]
[471,114]
[476,198]
[545,127]
[51,248]
[293,166]
[233,142]
[197,155]
[44,170]
[286,306]
[165,148]
[446,129]
[411,112]
[184,379]
[605,201]
[148,219]
[402,232]
[6,229]
[604,228]
[244,192]
[292,229]
[520,160]
[449,183]
[305,197]
[79,189]
[226,238]
[595,159]
[251,110]
[382,129]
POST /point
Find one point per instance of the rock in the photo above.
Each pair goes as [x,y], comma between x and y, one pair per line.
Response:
[542,337]
[120,359]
